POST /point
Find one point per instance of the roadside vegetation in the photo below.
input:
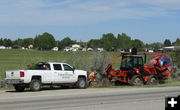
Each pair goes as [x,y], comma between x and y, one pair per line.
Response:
[89,61]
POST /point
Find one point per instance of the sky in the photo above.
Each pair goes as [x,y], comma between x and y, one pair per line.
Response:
[147,20]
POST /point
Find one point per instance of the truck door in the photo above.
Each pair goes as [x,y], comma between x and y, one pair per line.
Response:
[69,73]
[45,69]
[58,74]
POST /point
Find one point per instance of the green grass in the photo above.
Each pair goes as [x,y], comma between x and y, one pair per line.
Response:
[20,59]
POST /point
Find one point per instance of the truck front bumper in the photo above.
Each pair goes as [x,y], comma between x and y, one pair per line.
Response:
[14,81]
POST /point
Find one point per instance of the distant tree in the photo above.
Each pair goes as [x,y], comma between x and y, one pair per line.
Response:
[45,41]
[147,45]
[177,42]
[156,45]
[109,41]
[124,41]
[59,45]
[95,43]
[138,44]
[167,42]
[7,42]
[27,42]
[18,43]
[82,44]
[1,42]
[66,42]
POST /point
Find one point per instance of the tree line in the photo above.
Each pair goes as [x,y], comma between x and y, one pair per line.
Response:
[109,42]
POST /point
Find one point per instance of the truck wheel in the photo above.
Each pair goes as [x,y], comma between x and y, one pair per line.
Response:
[81,83]
[19,88]
[136,80]
[35,85]
[152,80]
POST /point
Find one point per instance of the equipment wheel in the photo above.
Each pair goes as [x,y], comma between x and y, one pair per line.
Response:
[152,80]
[136,80]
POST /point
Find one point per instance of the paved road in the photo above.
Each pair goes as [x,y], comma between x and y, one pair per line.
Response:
[88,99]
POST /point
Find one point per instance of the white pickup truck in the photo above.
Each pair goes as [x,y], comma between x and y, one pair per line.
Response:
[51,73]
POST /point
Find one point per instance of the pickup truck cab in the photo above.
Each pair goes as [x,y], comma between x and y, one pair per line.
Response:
[50,73]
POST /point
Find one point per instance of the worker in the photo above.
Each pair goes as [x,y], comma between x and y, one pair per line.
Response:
[92,78]
[46,67]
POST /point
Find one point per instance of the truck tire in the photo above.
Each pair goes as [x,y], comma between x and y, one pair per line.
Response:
[81,83]
[136,80]
[35,85]
[19,88]
[152,80]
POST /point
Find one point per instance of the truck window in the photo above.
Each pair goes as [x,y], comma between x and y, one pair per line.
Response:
[45,67]
[42,67]
[57,67]
[67,67]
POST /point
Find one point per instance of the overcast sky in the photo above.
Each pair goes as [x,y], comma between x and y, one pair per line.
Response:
[147,20]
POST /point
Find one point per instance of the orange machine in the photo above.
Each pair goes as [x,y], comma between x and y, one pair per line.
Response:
[134,71]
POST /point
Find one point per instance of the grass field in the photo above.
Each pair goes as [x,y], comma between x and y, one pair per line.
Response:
[20,59]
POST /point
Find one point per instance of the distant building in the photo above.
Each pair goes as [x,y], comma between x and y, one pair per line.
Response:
[89,49]
[55,49]
[148,50]
[84,49]
[75,49]
[169,48]
[22,48]
[120,50]
[68,49]
[2,47]
[76,46]
[30,47]
[151,50]
[100,49]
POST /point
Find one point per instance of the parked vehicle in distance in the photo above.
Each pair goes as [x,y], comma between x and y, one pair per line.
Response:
[50,73]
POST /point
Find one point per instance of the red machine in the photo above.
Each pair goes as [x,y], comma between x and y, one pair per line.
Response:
[134,71]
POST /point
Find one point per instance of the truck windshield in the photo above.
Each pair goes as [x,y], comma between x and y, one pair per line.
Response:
[127,64]
[67,67]
[131,62]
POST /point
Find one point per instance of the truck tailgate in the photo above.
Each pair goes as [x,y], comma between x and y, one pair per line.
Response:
[13,74]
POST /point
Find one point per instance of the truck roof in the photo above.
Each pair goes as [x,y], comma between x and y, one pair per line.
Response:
[56,62]
[51,63]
